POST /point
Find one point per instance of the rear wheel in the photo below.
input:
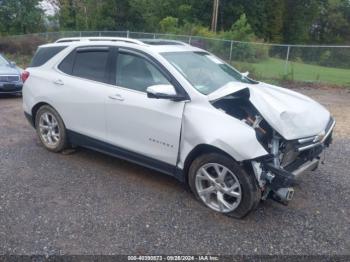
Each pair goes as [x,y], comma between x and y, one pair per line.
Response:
[50,129]
[223,186]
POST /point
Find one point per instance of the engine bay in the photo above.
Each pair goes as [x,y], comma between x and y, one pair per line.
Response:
[239,106]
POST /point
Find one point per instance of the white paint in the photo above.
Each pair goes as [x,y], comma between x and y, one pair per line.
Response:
[291,114]
[147,126]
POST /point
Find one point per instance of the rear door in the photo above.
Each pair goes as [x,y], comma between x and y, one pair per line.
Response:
[82,90]
[146,126]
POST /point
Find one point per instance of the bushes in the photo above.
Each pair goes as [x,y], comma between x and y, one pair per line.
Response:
[21,60]
[330,57]
[24,45]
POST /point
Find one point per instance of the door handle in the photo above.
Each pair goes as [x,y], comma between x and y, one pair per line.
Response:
[58,82]
[116,97]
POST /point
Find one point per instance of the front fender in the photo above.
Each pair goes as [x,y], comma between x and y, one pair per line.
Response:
[210,126]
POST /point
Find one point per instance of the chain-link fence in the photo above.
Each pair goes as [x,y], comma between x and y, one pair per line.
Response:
[268,62]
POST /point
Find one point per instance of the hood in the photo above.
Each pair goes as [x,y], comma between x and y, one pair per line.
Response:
[291,114]
[8,70]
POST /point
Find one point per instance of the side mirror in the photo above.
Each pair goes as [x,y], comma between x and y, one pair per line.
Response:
[245,74]
[12,64]
[164,92]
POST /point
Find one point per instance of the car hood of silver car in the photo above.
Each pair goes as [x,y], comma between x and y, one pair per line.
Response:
[291,114]
[8,70]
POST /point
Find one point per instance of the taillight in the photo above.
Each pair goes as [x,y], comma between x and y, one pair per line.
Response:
[25,75]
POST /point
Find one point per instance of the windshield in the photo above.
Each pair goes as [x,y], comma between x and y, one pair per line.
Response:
[204,71]
[3,61]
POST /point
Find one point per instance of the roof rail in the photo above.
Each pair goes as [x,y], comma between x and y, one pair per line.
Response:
[160,41]
[99,38]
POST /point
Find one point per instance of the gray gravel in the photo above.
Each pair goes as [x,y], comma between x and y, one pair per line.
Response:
[90,203]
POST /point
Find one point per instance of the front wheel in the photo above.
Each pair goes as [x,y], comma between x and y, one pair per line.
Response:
[50,129]
[223,186]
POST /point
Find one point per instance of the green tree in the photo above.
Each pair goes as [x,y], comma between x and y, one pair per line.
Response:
[300,16]
[20,17]
[169,24]
[333,23]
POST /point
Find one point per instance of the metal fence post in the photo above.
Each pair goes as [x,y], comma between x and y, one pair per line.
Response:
[99,33]
[189,39]
[154,36]
[127,34]
[286,64]
[231,47]
[80,33]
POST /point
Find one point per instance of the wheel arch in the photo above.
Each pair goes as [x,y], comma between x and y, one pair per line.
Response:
[35,109]
[200,150]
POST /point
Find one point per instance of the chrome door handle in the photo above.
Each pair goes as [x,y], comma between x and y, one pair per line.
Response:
[116,97]
[58,82]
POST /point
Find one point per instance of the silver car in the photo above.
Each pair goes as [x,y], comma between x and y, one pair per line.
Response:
[10,77]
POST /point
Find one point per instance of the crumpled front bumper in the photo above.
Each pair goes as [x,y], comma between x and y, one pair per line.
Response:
[308,152]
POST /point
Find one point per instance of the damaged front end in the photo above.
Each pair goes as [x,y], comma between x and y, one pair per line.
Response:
[277,173]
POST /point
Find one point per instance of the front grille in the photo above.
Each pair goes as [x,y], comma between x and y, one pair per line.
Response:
[309,142]
[289,154]
[9,79]
[304,157]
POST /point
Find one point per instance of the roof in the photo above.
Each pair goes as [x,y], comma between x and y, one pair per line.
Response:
[155,45]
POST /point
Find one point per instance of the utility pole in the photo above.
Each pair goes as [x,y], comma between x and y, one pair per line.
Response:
[214,20]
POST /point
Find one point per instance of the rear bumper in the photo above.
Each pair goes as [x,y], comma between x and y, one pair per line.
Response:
[11,88]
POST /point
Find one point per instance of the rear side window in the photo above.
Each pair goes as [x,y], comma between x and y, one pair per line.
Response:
[87,62]
[66,65]
[44,54]
[91,65]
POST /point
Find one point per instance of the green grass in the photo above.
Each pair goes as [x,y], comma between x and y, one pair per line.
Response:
[273,68]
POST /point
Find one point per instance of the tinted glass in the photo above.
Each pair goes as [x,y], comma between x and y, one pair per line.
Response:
[44,54]
[66,65]
[91,65]
[137,73]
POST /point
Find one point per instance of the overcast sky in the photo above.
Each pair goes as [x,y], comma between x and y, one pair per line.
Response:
[47,7]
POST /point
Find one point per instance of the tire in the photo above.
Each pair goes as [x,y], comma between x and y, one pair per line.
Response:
[234,186]
[51,129]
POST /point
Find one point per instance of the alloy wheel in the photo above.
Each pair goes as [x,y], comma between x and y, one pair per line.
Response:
[49,129]
[218,187]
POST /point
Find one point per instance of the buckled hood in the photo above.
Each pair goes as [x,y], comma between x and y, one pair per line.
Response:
[291,114]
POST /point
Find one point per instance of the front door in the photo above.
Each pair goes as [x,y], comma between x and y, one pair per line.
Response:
[146,126]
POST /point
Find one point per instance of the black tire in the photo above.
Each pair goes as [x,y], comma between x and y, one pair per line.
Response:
[62,143]
[250,192]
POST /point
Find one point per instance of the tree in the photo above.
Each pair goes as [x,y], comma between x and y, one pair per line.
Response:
[333,22]
[20,17]
[299,18]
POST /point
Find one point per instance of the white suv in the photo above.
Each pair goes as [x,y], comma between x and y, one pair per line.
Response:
[180,110]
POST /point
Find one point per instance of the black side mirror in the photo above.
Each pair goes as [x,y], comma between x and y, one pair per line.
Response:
[164,92]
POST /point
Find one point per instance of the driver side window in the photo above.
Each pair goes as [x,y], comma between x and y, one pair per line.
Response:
[135,72]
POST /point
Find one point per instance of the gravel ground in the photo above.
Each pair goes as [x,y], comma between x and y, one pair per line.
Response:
[89,203]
